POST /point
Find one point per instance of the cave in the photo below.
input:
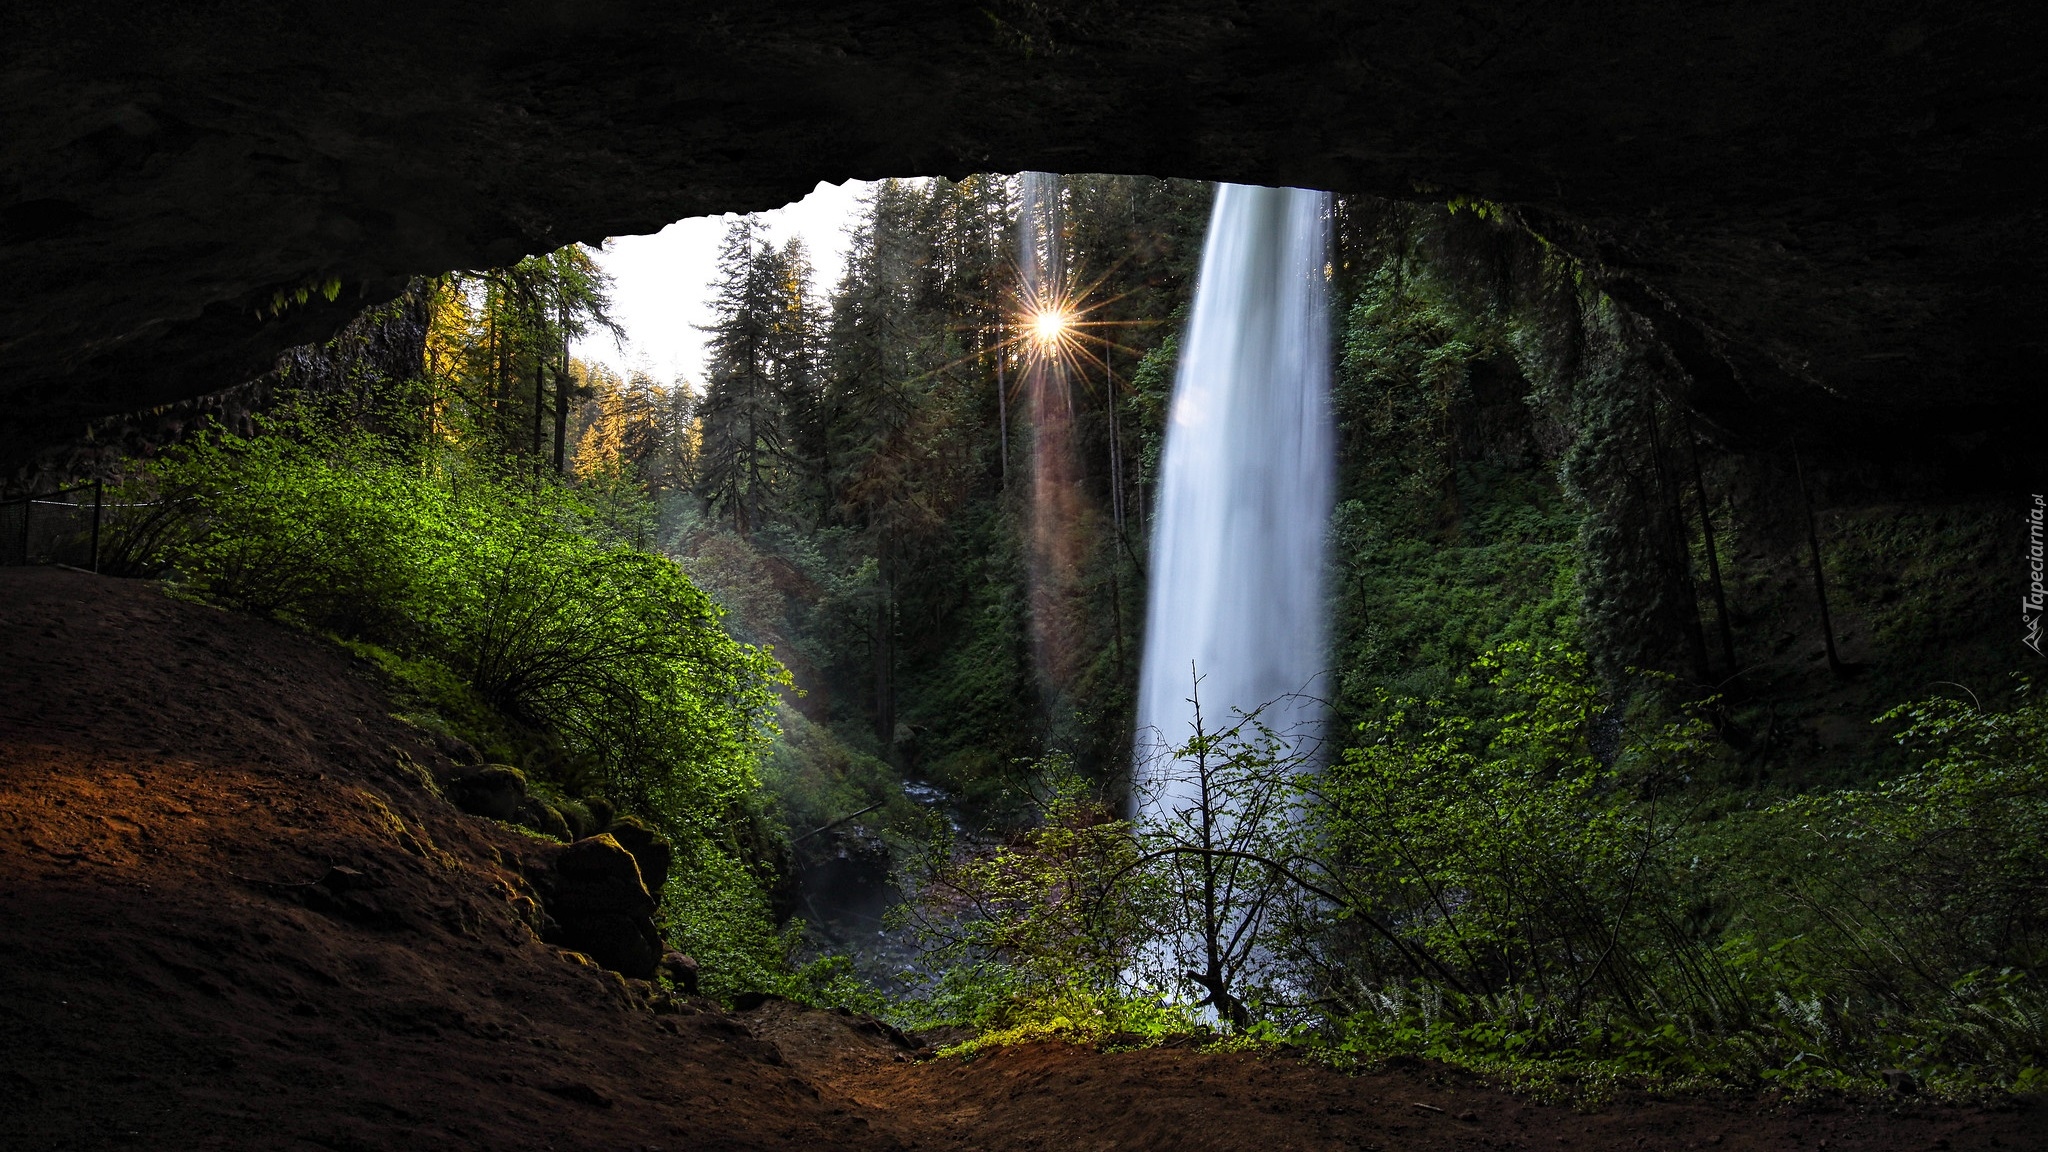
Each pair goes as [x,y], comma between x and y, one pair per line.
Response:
[1819,231]
[1832,221]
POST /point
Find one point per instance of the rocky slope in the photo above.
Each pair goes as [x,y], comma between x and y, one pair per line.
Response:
[233,915]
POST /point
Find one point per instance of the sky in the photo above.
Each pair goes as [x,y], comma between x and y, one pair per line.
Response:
[661,284]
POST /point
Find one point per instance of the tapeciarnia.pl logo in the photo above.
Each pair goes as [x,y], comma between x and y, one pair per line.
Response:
[2031,604]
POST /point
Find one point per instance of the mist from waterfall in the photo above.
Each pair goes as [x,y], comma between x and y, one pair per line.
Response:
[1245,490]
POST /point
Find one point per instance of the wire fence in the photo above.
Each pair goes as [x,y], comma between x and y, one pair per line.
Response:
[61,527]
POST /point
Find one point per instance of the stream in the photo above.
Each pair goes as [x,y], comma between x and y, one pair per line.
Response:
[848,886]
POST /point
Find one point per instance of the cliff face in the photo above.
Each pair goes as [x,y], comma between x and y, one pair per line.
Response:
[1829,219]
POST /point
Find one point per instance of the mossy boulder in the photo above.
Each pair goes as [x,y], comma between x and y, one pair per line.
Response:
[601,907]
[492,790]
[650,850]
[579,818]
[543,818]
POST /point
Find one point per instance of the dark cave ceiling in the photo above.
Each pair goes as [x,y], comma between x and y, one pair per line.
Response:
[1832,210]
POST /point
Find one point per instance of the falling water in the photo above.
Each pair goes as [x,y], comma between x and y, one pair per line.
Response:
[1245,487]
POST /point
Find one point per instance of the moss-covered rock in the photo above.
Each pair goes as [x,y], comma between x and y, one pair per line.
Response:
[497,791]
[594,894]
[650,850]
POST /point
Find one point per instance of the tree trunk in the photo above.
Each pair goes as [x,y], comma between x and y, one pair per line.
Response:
[562,398]
[1116,451]
[884,648]
[539,405]
[1003,407]
[1820,582]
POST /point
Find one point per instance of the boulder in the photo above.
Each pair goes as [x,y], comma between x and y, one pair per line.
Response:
[459,750]
[579,819]
[542,818]
[650,850]
[600,906]
[681,971]
[492,790]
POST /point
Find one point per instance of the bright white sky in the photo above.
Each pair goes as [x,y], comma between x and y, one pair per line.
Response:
[661,284]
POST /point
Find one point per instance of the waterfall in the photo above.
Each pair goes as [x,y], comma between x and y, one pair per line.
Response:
[1245,489]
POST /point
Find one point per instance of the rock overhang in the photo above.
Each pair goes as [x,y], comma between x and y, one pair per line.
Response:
[1838,217]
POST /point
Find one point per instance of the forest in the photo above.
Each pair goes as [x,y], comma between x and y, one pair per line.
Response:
[1637,769]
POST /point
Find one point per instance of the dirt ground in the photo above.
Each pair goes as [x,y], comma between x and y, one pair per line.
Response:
[181,967]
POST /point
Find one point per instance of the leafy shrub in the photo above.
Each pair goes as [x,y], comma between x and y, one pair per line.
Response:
[509,585]
[716,912]
[1504,876]
[510,610]
[1910,919]
[1505,892]
[1043,928]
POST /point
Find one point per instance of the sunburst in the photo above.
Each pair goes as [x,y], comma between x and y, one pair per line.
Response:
[1064,327]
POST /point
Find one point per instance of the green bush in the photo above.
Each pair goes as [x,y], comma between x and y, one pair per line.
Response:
[509,611]
[1045,930]
[1502,873]
[1508,893]
[1909,922]
[511,585]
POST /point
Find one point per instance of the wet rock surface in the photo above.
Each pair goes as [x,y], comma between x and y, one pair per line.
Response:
[1825,217]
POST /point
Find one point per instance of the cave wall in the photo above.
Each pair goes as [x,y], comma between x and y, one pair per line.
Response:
[1828,213]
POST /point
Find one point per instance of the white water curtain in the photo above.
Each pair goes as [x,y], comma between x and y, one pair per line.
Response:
[1247,479]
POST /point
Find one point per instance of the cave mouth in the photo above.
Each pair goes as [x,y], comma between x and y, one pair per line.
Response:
[1683,383]
[847,623]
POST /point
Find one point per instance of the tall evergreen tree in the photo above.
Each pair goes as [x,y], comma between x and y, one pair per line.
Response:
[745,449]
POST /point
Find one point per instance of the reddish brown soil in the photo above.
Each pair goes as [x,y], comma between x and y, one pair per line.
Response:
[1056,1097]
[171,779]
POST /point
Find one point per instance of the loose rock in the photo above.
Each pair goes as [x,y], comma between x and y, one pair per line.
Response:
[681,971]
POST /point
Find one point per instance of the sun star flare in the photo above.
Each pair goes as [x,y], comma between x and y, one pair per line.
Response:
[1049,325]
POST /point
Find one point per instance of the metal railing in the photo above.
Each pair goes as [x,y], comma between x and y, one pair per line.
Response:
[60,527]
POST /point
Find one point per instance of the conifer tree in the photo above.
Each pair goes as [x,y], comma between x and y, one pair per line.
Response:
[745,445]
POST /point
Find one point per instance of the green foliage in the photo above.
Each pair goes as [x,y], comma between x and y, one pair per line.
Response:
[716,911]
[511,587]
[1406,367]
[1040,932]
[881,453]
[1447,544]
[1503,864]
[1962,842]
[1220,836]
[1909,917]
[763,389]
[1601,899]
[1514,898]
[512,614]
[973,708]
[497,374]
[816,778]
